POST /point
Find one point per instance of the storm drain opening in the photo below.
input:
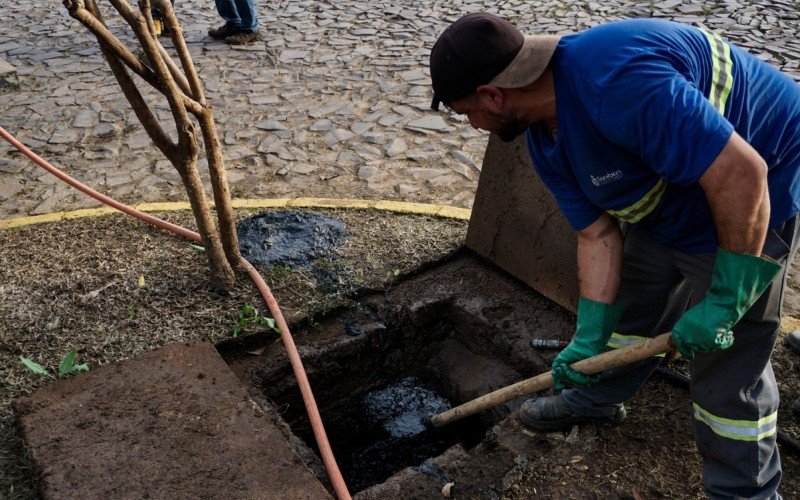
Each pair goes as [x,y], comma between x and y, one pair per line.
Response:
[377,383]
[383,365]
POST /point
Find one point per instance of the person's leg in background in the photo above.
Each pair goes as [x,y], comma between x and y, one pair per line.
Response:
[248,21]
[241,21]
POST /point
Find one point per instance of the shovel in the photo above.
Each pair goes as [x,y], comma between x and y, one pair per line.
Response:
[596,364]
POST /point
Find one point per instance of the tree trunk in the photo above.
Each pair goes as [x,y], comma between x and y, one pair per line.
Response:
[216,164]
[222,276]
[164,75]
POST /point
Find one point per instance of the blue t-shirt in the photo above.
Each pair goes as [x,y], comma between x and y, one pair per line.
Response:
[644,107]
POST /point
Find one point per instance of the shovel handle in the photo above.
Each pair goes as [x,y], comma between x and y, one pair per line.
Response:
[596,364]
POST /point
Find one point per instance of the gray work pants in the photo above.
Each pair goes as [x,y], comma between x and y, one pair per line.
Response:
[734,391]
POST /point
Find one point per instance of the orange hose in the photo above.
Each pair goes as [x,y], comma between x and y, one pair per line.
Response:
[339,486]
[96,195]
[314,417]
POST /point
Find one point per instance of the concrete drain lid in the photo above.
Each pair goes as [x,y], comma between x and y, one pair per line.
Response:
[289,238]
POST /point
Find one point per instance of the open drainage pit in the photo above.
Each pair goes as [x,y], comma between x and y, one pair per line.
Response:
[379,372]
[381,368]
[376,386]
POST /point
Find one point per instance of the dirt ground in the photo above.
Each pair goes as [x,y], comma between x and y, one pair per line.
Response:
[76,285]
[113,288]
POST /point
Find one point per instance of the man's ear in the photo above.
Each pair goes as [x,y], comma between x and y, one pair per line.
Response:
[491,97]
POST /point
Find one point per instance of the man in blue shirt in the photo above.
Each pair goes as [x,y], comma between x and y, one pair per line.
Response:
[692,148]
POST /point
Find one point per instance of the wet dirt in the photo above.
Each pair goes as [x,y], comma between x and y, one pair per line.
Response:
[403,409]
[464,327]
[289,238]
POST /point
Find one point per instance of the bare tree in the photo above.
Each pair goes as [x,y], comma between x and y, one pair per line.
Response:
[184,93]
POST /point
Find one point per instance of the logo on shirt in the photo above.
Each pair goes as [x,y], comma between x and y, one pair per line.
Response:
[606,178]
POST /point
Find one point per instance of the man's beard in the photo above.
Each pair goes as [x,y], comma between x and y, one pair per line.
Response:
[509,127]
[508,135]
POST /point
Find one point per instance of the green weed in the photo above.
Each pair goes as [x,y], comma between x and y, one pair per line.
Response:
[249,318]
[65,368]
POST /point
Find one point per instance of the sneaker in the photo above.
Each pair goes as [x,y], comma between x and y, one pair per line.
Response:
[242,37]
[793,341]
[553,414]
[223,32]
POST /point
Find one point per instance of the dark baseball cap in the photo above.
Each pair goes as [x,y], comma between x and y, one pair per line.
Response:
[481,49]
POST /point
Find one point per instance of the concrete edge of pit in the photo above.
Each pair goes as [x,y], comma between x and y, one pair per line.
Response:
[400,207]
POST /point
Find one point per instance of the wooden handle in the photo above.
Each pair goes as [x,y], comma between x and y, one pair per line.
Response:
[596,364]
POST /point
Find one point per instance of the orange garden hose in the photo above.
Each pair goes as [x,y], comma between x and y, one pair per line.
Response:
[339,486]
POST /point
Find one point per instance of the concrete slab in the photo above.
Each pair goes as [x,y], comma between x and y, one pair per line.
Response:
[517,225]
[172,423]
[9,80]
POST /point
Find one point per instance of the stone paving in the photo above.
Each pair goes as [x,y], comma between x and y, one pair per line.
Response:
[331,101]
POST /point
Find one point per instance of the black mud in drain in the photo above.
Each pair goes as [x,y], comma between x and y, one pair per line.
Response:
[386,430]
[292,239]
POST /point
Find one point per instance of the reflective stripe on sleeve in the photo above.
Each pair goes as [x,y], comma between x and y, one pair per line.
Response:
[721,72]
[646,204]
[739,430]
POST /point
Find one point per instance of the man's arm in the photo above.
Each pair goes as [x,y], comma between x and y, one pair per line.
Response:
[736,189]
[599,268]
[600,260]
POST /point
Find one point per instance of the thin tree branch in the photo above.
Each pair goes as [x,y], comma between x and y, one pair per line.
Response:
[149,121]
[91,19]
[220,188]
[176,34]
[139,23]
[179,77]
[176,73]
[92,22]
[216,163]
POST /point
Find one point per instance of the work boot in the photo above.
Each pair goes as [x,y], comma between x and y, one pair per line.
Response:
[793,341]
[552,413]
[242,37]
[223,32]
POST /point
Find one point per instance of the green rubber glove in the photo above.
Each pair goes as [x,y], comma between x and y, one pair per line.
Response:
[596,322]
[738,281]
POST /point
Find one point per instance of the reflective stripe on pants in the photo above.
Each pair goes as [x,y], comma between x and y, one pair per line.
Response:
[734,391]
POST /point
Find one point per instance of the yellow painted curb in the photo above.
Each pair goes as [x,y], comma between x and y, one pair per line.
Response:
[382,205]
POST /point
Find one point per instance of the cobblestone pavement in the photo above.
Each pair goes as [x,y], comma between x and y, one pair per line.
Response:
[331,101]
